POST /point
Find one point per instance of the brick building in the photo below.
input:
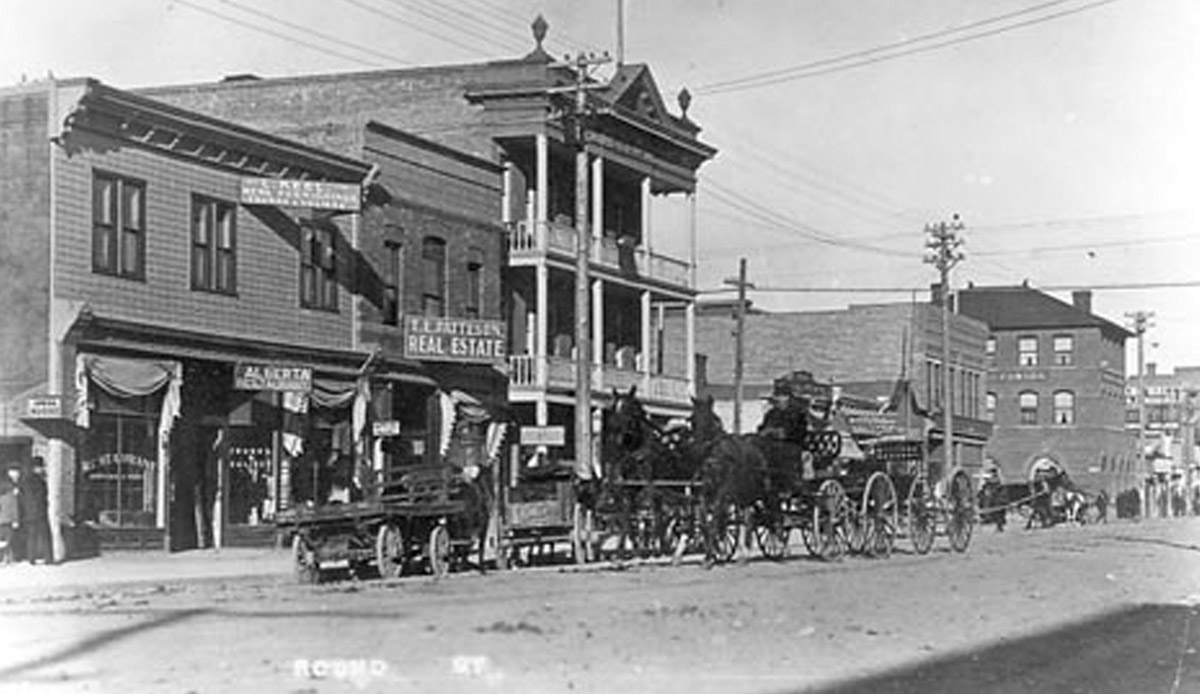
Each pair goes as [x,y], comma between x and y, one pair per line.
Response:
[863,350]
[1056,380]
[640,157]
[192,345]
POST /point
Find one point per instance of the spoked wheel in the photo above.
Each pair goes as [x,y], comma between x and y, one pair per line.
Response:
[772,536]
[921,516]
[878,516]
[308,569]
[389,551]
[960,515]
[439,551]
[720,536]
[830,515]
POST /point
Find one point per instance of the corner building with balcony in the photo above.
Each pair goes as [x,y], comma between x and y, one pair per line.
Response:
[642,164]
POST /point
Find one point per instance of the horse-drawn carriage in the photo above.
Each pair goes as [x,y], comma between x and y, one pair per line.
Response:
[710,490]
[1050,498]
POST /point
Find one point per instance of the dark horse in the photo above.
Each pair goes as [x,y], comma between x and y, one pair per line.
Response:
[642,466]
[745,476]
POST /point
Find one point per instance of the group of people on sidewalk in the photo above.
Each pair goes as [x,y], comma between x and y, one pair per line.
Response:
[24,520]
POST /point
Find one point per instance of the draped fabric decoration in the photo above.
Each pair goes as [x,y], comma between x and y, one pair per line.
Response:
[495,437]
[295,407]
[333,394]
[449,415]
[129,378]
[358,417]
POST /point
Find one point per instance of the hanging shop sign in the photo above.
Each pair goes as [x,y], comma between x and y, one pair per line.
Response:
[455,339]
[44,407]
[544,436]
[320,195]
[272,376]
[387,427]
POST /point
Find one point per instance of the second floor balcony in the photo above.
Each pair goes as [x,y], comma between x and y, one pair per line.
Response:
[614,255]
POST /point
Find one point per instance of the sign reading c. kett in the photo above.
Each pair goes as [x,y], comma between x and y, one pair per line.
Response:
[455,339]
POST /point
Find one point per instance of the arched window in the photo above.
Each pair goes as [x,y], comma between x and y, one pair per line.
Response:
[1028,402]
[474,303]
[1064,407]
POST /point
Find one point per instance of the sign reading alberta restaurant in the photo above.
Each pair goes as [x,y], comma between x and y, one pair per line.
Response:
[454,339]
[319,195]
[272,376]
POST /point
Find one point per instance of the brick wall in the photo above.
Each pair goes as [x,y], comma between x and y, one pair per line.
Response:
[24,237]
[267,304]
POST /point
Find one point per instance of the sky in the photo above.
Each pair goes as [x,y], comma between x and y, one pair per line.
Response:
[1064,133]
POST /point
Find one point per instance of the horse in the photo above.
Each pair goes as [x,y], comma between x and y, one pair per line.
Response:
[746,476]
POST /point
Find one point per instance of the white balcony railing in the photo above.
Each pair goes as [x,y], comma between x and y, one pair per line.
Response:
[524,240]
[559,373]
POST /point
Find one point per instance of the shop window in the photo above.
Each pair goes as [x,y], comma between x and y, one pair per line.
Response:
[318,269]
[118,468]
[433,280]
[1027,351]
[1028,402]
[214,245]
[473,306]
[1064,350]
[118,226]
[1064,407]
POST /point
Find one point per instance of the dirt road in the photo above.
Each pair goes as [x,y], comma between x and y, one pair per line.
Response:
[1095,609]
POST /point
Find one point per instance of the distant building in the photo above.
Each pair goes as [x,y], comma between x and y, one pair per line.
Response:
[1172,407]
[862,350]
[1056,386]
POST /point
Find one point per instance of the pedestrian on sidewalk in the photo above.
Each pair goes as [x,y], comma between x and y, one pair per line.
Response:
[32,499]
[9,517]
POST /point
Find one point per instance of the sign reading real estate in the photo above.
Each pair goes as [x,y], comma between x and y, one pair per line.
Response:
[454,339]
[272,376]
[320,195]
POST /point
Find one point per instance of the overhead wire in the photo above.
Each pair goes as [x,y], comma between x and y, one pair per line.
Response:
[437,13]
[312,32]
[366,7]
[850,61]
[276,34]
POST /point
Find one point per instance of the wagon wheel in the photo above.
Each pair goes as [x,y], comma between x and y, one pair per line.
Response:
[720,536]
[772,536]
[921,517]
[389,551]
[878,516]
[439,551]
[960,514]
[830,514]
[808,535]
[308,569]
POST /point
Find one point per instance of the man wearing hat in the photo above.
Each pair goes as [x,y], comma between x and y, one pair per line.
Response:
[9,515]
[32,498]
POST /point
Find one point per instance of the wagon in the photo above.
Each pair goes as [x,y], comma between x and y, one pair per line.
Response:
[421,516]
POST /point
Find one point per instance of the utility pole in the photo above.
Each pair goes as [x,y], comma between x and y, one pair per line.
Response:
[1140,322]
[739,359]
[944,253]
[576,131]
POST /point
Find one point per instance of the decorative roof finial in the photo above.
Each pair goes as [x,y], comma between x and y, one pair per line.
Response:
[539,30]
[685,100]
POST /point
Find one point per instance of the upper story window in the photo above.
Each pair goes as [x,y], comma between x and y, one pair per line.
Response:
[433,279]
[990,407]
[1028,402]
[214,245]
[394,285]
[1027,351]
[118,226]
[1064,350]
[990,347]
[1064,407]
[474,305]
[318,268]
